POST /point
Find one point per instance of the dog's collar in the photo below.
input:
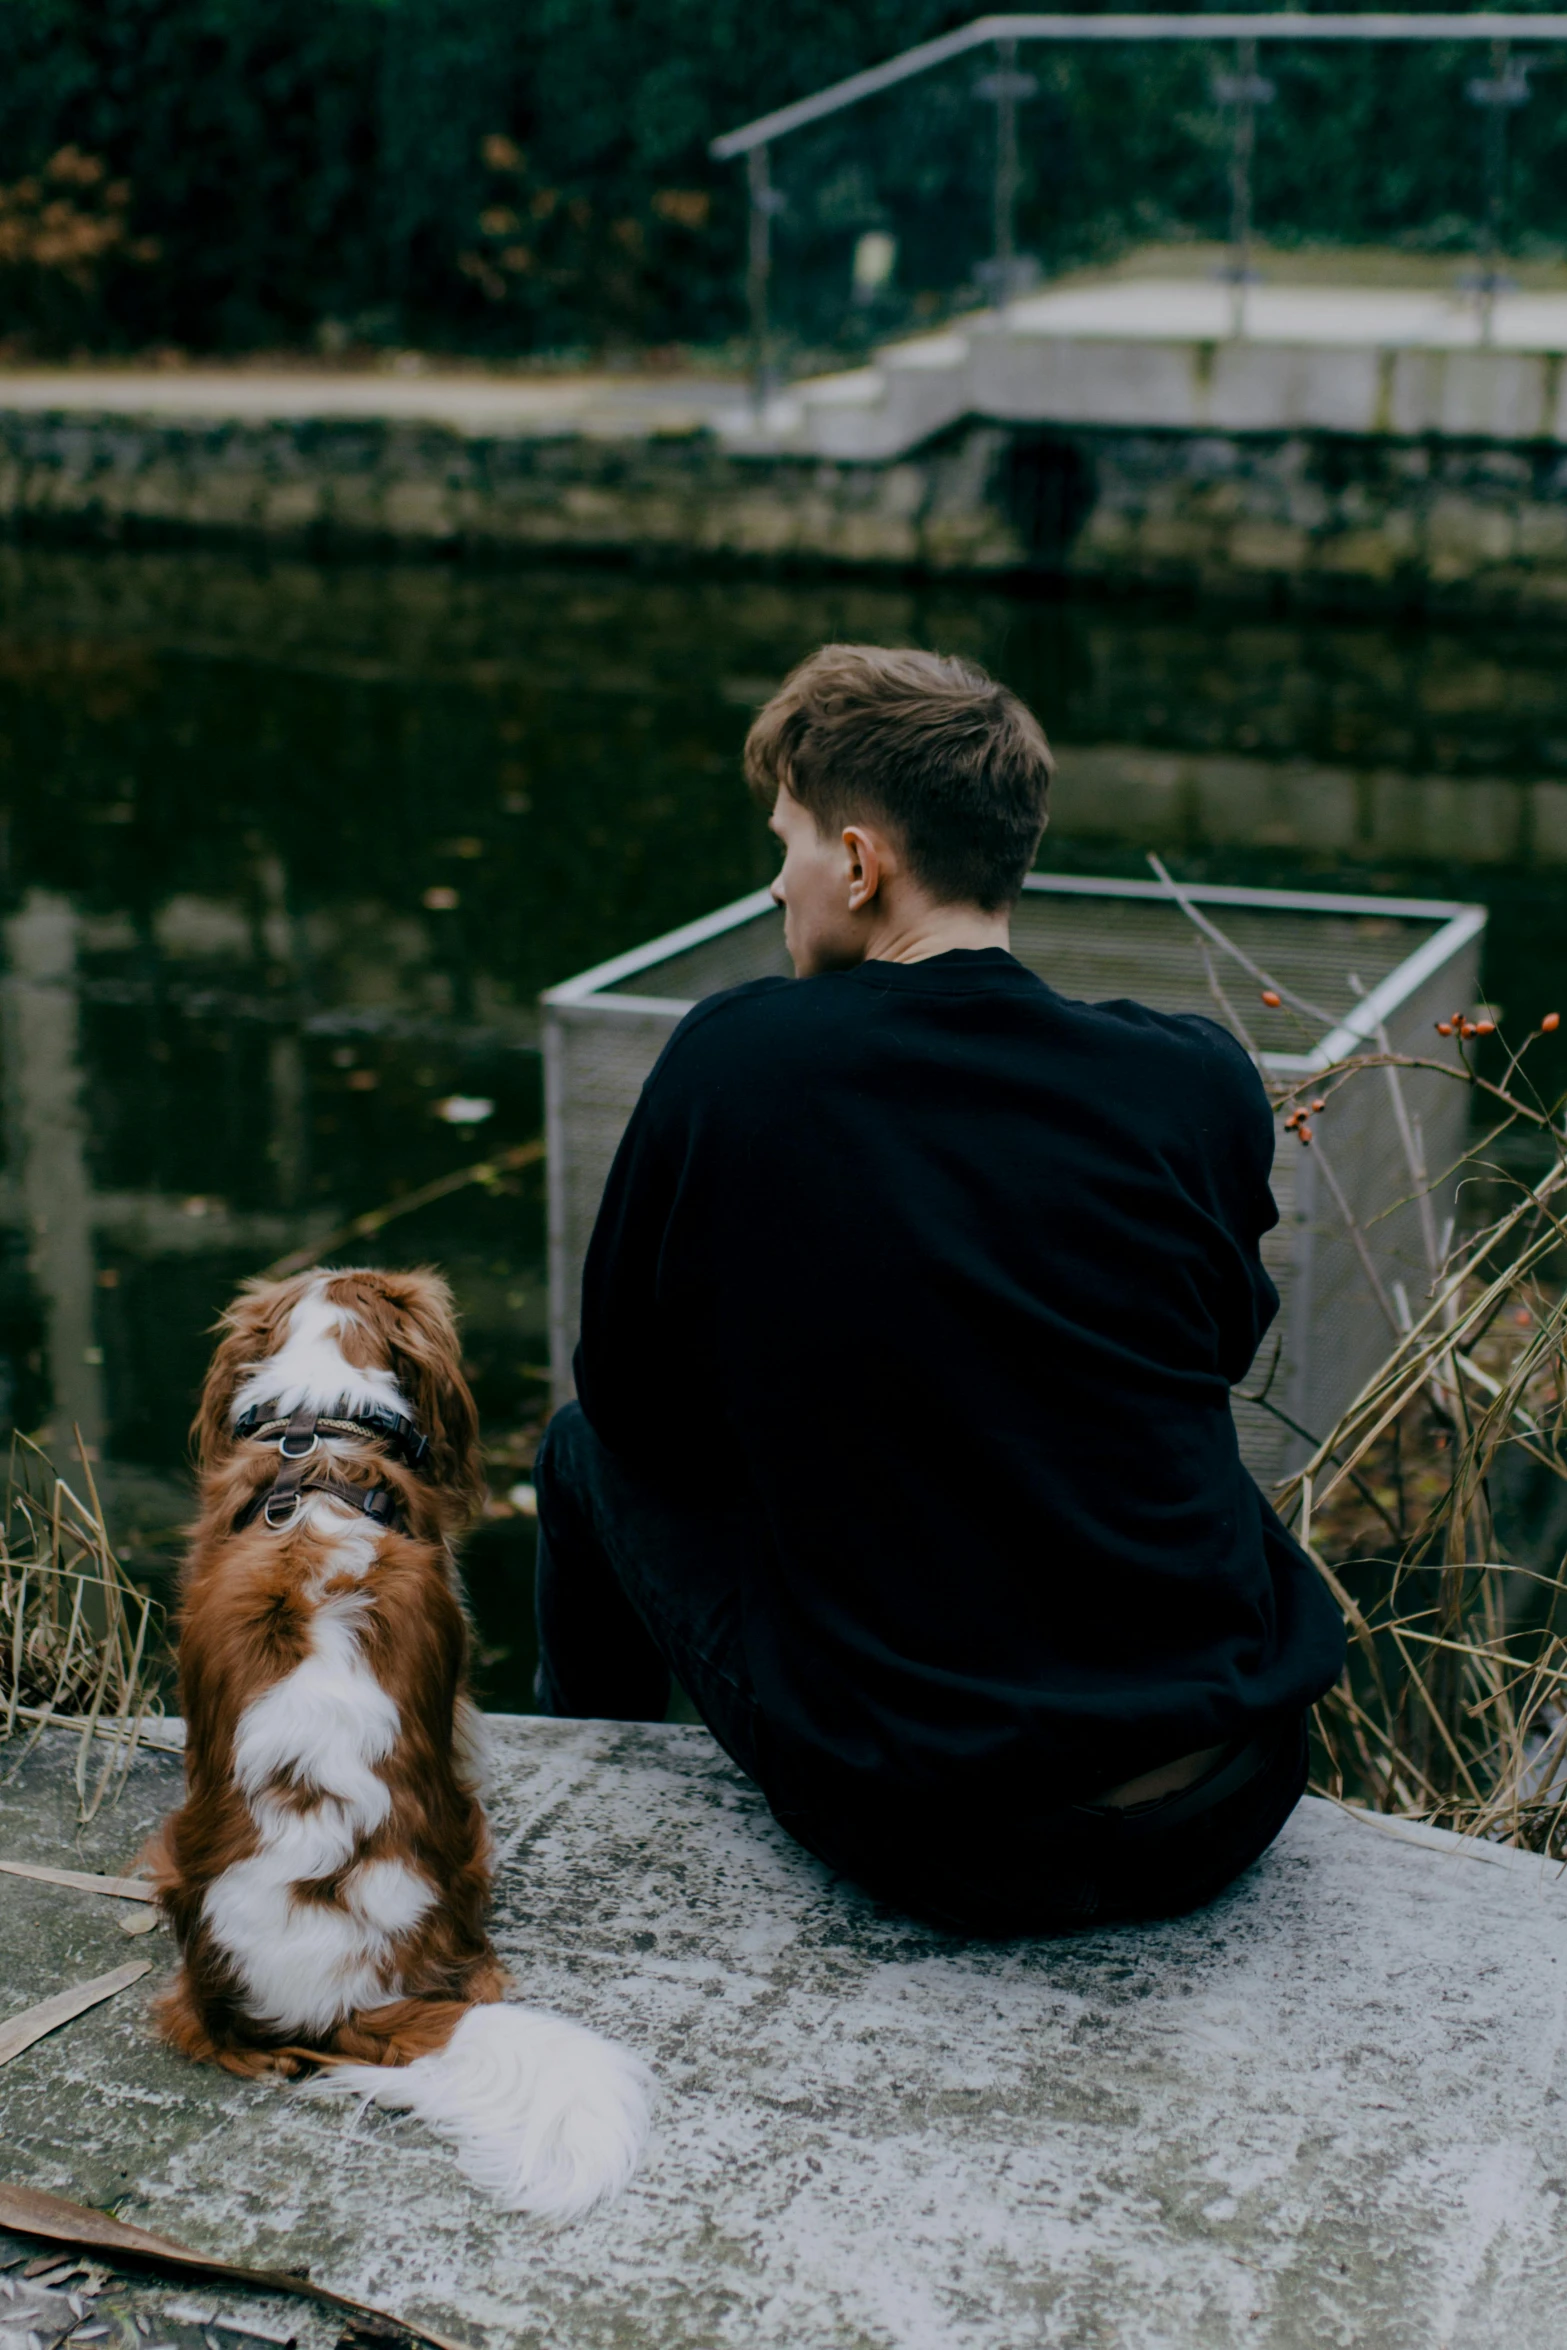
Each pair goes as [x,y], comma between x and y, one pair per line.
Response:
[265,1424]
[298,1437]
[278,1509]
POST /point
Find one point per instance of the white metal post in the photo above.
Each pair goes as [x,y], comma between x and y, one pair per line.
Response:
[1243,91]
[759,270]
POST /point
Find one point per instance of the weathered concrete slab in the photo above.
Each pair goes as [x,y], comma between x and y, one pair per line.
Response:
[1329,2111]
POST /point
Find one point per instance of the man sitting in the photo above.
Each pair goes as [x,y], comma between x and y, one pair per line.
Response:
[908,1329]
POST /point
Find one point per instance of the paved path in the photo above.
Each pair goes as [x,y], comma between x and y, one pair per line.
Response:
[1328,2112]
[605,406]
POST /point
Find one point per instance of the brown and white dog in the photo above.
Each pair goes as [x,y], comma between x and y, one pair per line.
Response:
[328,1872]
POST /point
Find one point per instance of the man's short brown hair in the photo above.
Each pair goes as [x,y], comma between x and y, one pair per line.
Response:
[953,762]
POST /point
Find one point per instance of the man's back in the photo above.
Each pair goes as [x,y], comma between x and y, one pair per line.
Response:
[950,1277]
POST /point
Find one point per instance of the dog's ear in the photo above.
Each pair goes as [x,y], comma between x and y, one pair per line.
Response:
[253,1327]
[415,1328]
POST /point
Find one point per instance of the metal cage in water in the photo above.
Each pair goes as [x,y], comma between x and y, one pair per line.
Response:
[1376,967]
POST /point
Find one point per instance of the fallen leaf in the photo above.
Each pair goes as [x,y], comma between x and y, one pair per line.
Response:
[33,2213]
[122,1888]
[20,2031]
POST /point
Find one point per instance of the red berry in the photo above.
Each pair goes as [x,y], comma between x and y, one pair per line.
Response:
[1444,1028]
[1319,1105]
[1551,1020]
[1484,1028]
[1271,997]
[1304,1132]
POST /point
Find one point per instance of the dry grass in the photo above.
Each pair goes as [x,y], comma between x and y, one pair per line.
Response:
[1453,1706]
[76,1635]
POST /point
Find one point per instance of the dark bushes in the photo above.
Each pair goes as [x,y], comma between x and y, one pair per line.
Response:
[522,175]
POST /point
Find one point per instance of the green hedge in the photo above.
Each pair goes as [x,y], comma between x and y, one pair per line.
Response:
[515,175]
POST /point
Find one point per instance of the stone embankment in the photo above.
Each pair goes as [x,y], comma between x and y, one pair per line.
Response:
[1127,452]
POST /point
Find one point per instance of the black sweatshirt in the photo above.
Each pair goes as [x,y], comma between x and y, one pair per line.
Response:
[950,1276]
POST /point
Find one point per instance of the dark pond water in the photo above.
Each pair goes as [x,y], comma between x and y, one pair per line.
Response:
[289,852]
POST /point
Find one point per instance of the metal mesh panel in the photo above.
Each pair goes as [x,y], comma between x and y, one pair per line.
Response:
[1347,1327]
[1268,1445]
[752,950]
[1332,1331]
[1099,947]
[595,1062]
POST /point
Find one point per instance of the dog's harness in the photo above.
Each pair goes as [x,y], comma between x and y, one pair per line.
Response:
[298,1438]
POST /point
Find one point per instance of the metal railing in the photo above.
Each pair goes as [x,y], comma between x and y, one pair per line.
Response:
[1505,87]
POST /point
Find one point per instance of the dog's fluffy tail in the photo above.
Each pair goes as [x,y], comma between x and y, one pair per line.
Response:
[545,2116]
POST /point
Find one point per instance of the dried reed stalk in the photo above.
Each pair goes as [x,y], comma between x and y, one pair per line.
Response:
[1453,1706]
[77,1637]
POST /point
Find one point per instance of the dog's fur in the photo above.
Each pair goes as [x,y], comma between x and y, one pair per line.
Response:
[328,1872]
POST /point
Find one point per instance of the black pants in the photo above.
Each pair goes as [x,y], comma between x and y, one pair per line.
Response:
[633,1587]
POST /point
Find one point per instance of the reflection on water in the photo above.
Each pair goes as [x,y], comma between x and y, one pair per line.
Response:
[289,852]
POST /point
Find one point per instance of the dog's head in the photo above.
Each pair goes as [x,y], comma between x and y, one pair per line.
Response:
[346,1341]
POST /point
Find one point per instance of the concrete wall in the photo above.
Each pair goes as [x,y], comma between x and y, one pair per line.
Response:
[1292,518]
[1251,386]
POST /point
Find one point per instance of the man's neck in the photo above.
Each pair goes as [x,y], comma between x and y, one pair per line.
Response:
[922,931]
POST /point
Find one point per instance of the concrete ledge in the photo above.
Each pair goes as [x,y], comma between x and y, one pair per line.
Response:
[1218,386]
[1178,355]
[1328,2111]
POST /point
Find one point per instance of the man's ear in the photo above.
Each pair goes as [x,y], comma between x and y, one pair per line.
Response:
[866,863]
